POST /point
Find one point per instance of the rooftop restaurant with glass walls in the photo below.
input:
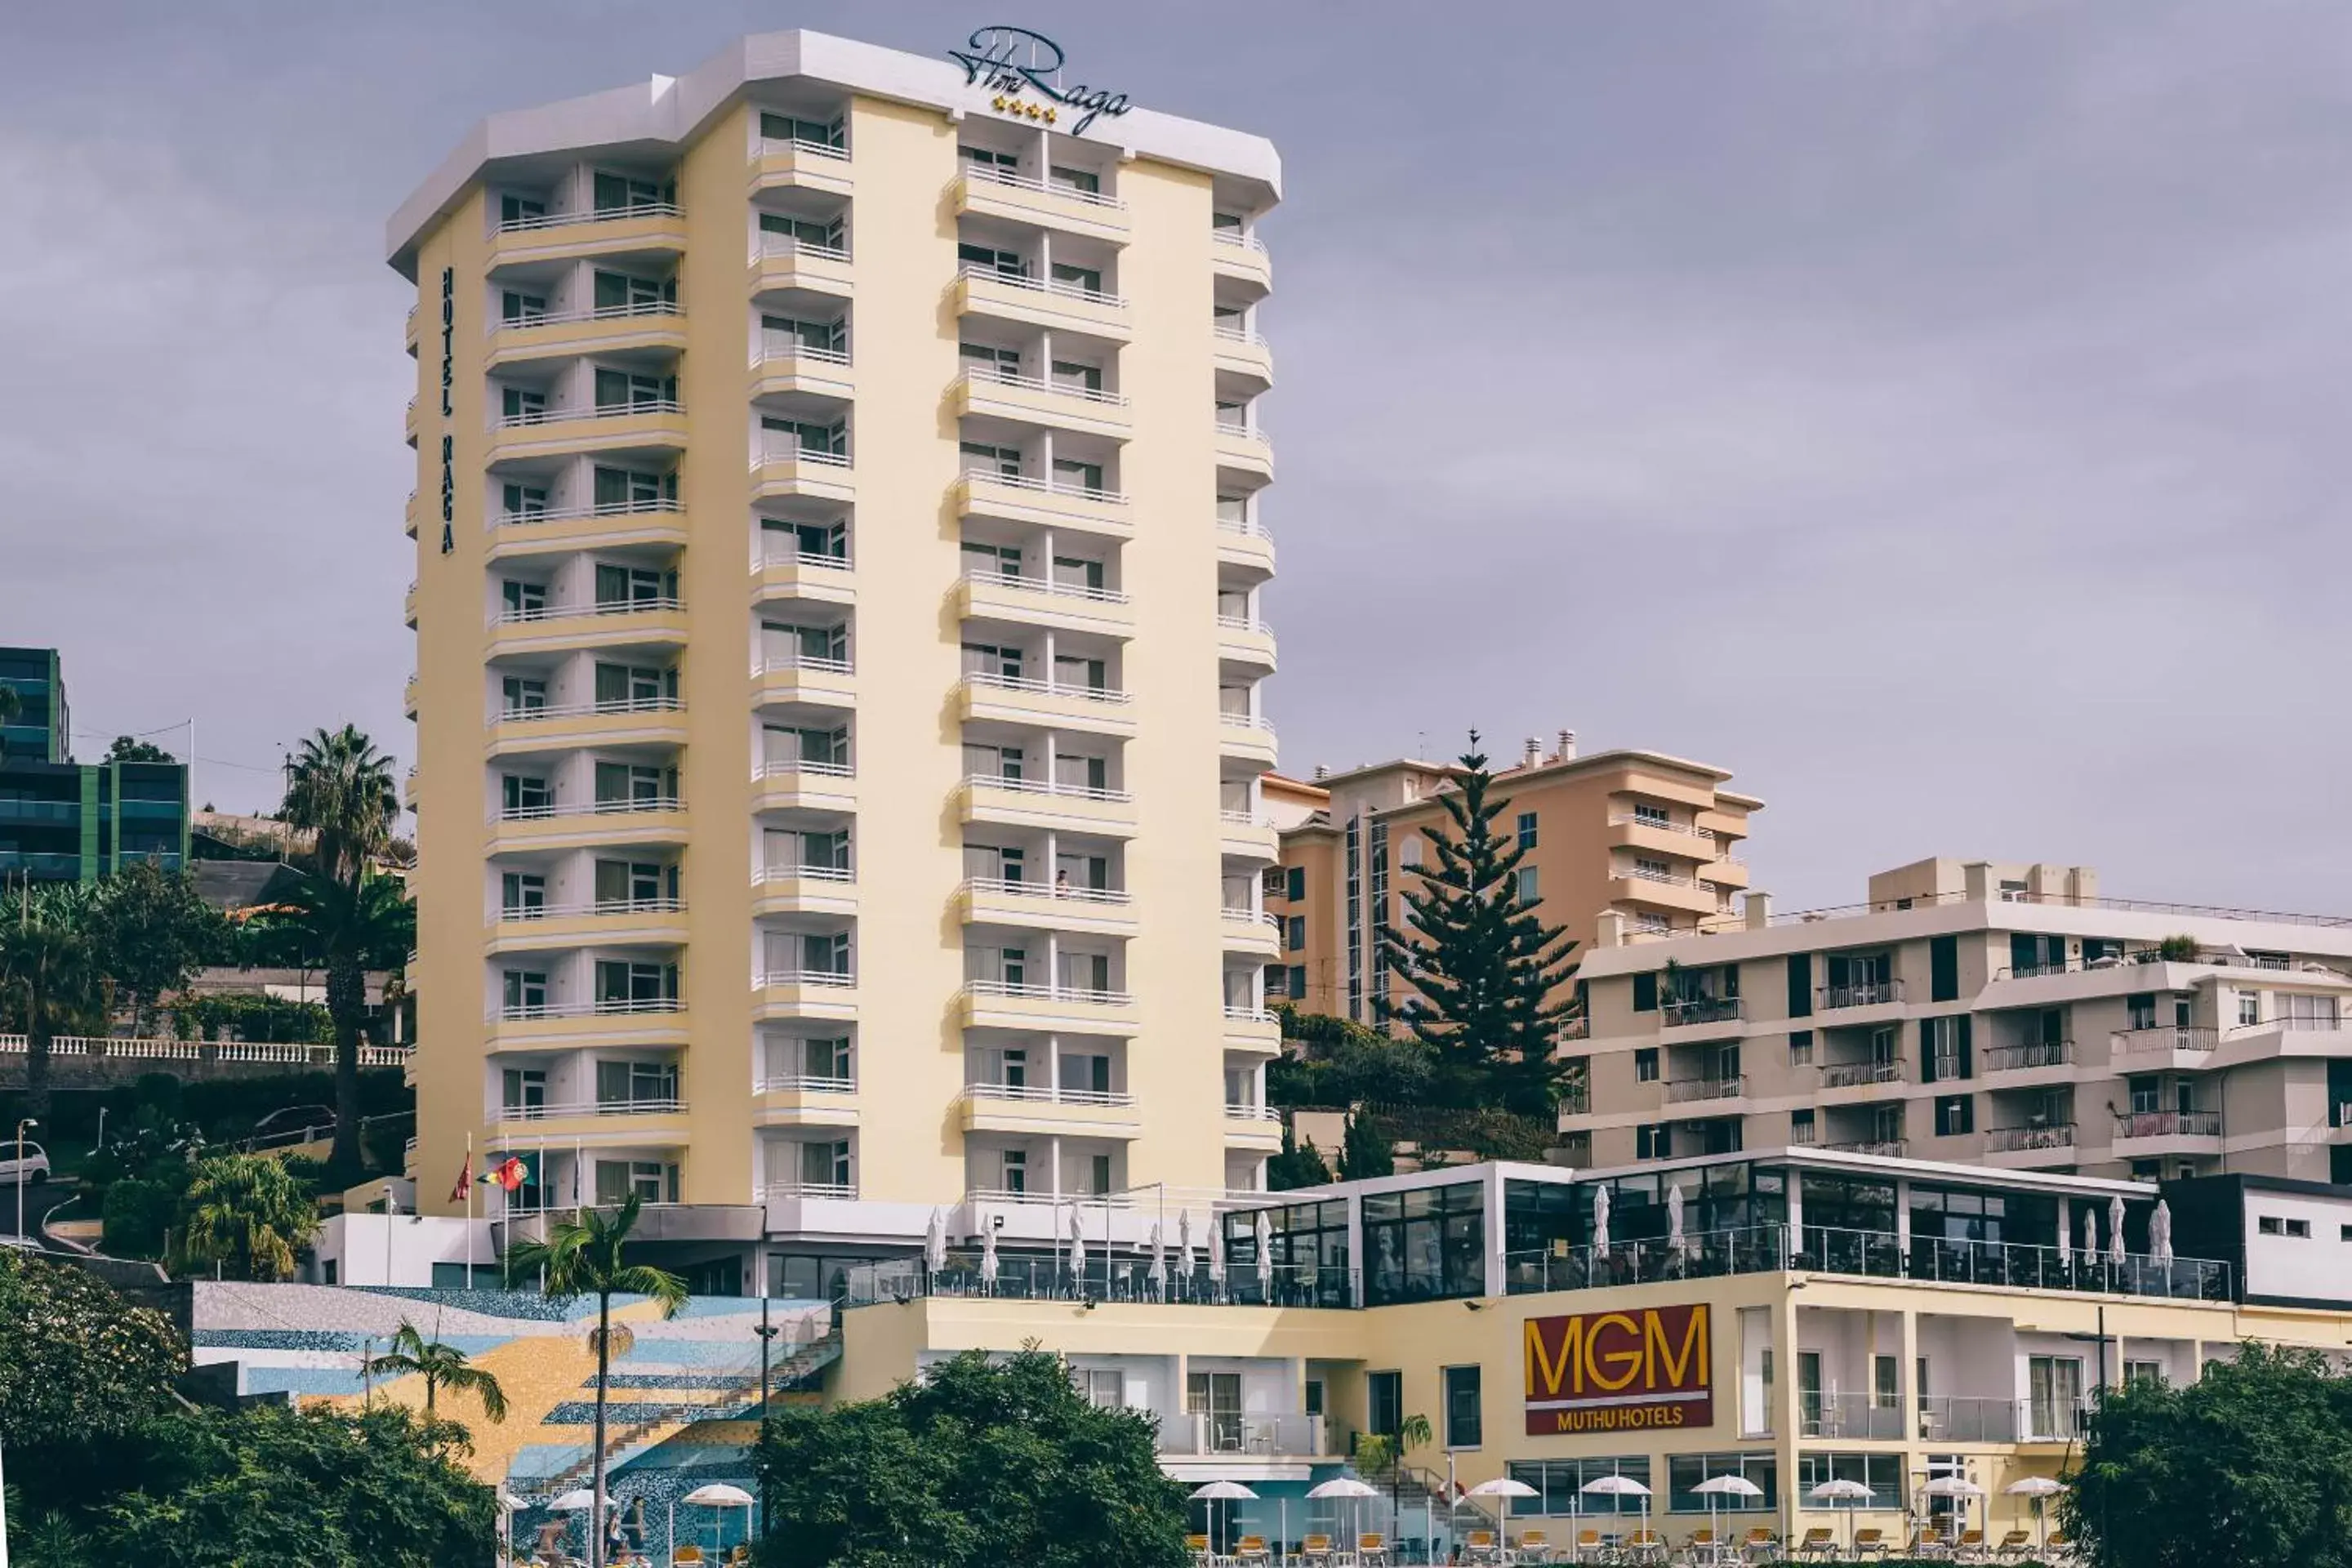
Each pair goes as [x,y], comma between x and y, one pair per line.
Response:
[1508,1229]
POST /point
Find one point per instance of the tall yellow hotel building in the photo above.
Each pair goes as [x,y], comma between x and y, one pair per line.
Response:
[839,658]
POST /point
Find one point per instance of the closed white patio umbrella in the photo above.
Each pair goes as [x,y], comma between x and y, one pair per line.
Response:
[1184,1261]
[1674,1219]
[1599,1221]
[1158,1265]
[2160,1232]
[2115,1230]
[1264,1255]
[987,1266]
[1078,1247]
[935,1242]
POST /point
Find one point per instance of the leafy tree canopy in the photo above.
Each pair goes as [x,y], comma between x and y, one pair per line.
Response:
[249,1215]
[1296,1165]
[2250,1464]
[922,1477]
[127,749]
[75,1356]
[1342,1063]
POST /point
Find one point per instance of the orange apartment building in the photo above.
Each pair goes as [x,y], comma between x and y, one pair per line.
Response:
[1653,838]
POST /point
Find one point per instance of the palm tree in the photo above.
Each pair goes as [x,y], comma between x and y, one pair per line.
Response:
[441,1366]
[340,787]
[247,1213]
[49,974]
[583,1257]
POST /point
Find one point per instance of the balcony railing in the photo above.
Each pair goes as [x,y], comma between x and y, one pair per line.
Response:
[652,606]
[981,376]
[1080,994]
[2011,1139]
[1266,1113]
[841,1190]
[1968,1418]
[593,808]
[1878,1254]
[1244,819]
[1055,287]
[1116,1275]
[777,663]
[530,416]
[1245,722]
[2166,1038]
[1241,432]
[1244,623]
[1860,993]
[1239,335]
[773,346]
[1878,1148]
[1704,835]
[514,912]
[2033,1054]
[1047,787]
[1868,1416]
[1239,239]
[1846,1075]
[590,1107]
[791,450]
[2168,1124]
[1103,694]
[766,875]
[789,245]
[1248,527]
[789,767]
[803,147]
[581,514]
[592,313]
[777,550]
[768,979]
[524,1011]
[1052,892]
[1682,1091]
[994,175]
[1023,584]
[1246,1436]
[1046,487]
[804,1083]
[1703,1010]
[1046,1094]
[547,711]
[599,214]
[1249,1014]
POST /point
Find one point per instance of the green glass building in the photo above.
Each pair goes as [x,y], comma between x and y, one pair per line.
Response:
[62,821]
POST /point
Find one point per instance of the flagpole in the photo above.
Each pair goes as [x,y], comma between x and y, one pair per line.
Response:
[470,1211]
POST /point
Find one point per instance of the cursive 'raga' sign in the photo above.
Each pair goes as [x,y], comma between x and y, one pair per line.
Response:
[1011,61]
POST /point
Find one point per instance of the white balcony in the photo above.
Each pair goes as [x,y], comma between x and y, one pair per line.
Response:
[512,1114]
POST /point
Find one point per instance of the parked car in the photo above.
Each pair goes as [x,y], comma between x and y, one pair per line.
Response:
[34,1167]
[294,1124]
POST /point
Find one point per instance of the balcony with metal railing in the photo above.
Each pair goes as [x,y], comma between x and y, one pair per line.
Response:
[1036,600]
[1035,700]
[1055,502]
[1027,1006]
[2170,1126]
[566,1110]
[1859,993]
[1045,1108]
[1687,1090]
[1052,303]
[1692,1012]
[1851,1075]
[987,191]
[2020,1140]
[1040,905]
[1004,800]
[991,392]
[2027,1057]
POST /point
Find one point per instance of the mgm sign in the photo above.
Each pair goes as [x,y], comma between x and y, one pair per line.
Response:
[1620,1371]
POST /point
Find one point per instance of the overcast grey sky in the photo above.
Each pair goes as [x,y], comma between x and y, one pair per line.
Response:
[1932,413]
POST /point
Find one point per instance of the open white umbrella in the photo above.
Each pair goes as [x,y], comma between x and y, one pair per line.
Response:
[1342,1487]
[1953,1487]
[718,1494]
[1674,1219]
[1217,1492]
[1714,1487]
[575,1499]
[1621,1486]
[1501,1487]
[2039,1488]
[1184,1260]
[2115,1230]
[988,1259]
[1265,1257]
[1844,1491]
[1599,1221]
[2160,1232]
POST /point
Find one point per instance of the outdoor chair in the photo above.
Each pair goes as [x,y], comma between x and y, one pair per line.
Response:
[1927,1545]
[1971,1547]
[2016,1546]
[686,1556]
[1251,1548]
[1588,1546]
[1372,1550]
[1478,1546]
[1198,1545]
[1761,1545]
[1316,1550]
[1535,1546]
[2059,1549]
[1869,1543]
[1820,1544]
[1645,1546]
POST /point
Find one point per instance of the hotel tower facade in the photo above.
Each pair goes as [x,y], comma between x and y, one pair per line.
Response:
[838,652]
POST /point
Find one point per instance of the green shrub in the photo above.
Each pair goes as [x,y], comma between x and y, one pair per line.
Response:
[138,1212]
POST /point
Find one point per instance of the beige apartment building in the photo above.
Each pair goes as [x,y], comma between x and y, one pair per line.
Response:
[1650,837]
[1981,1014]
[838,566]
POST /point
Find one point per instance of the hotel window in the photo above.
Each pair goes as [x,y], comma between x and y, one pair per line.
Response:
[2053,1398]
[1882,1474]
[523,501]
[1005,263]
[1645,1065]
[522,894]
[1528,883]
[525,798]
[615,192]
[1089,279]
[1384,1402]
[626,489]
[1295,933]
[819,337]
[1800,1048]
[523,696]
[1886,1391]
[1299,982]
[1084,181]
[625,389]
[1653,870]
[1379,912]
[788,128]
[2250,1007]
[1464,1421]
[1424,1243]
[801,233]
[1956,1115]
[1944,1050]
[1653,815]
[988,161]
[1801,1127]
[649,1180]
[1559,1485]
[1103,1390]
[982,458]
[1355,906]
[1654,1142]
[1685,1472]
[526,993]
[2270,1224]
[1526,830]
[2304,1010]
[1295,879]
[517,307]
[2142,1007]
[1070,474]
[826,441]
[2143,1372]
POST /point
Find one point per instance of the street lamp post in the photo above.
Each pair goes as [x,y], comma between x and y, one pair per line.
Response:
[767,1337]
[28,1121]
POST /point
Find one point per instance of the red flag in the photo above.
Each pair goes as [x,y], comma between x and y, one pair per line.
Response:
[510,1173]
[465,1179]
